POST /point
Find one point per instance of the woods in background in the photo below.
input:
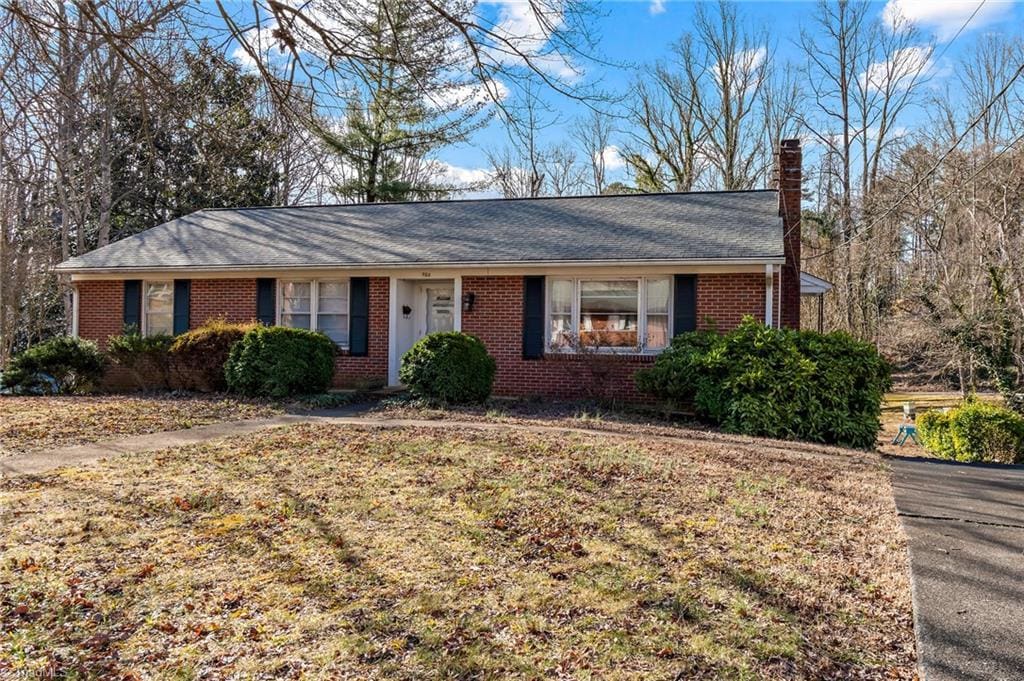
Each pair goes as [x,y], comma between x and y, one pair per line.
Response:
[118,117]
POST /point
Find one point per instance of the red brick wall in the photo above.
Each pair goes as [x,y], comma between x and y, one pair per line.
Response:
[101,315]
[497,318]
[724,299]
[100,310]
[232,299]
[373,368]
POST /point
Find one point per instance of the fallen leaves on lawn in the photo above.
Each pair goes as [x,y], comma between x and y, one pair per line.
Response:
[33,423]
[413,553]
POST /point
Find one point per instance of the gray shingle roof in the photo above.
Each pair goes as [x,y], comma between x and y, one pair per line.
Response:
[652,227]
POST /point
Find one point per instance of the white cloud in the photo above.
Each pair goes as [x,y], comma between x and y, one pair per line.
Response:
[259,40]
[527,28]
[944,17]
[906,65]
[657,7]
[745,65]
[612,158]
[472,93]
[462,177]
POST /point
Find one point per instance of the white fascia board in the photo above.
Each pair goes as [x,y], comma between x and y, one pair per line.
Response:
[415,270]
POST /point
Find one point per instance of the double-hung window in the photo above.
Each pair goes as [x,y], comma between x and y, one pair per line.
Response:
[628,313]
[317,305]
[158,307]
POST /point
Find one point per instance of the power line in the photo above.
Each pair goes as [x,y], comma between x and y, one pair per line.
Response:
[960,138]
[921,70]
[945,197]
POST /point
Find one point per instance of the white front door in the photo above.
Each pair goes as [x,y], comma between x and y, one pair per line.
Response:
[438,310]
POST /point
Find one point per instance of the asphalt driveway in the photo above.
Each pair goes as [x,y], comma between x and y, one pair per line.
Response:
[965,527]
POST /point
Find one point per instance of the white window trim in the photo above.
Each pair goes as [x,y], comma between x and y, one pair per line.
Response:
[314,302]
[641,322]
[144,322]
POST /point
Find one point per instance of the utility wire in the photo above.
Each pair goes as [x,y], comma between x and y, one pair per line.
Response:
[960,138]
[945,197]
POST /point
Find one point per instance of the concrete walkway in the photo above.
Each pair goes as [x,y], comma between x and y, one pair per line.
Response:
[965,528]
[78,455]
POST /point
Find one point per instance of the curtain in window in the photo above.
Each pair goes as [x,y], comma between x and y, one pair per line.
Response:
[159,307]
[296,304]
[332,310]
[658,291]
[609,313]
[562,293]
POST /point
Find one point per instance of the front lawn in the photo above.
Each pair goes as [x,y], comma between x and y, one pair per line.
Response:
[329,551]
[33,423]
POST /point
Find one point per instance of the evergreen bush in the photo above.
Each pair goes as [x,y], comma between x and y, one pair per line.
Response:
[199,356]
[449,367]
[279,362]
[974,431]
[74,364]
[776,383]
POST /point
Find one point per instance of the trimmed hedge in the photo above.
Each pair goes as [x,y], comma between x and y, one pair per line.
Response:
[147,358]
[449,367]
[74,365]
[199,355]
[974,431]
[775,383]
[279,362]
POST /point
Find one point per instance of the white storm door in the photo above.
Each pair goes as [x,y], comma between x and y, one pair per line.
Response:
[440,312]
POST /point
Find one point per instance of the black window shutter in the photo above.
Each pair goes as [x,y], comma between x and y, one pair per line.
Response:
[685,303]
[359,316]
[133,305]
[266,301]
[182,290]
[533,317]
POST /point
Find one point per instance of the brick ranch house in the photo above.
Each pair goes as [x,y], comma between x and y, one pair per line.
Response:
[535,279]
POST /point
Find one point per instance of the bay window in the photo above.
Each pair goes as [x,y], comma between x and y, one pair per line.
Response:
[317,305]
[158,308]
[600,313]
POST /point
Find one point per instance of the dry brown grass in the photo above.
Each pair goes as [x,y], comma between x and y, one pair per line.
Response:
[327,551]
[34,423]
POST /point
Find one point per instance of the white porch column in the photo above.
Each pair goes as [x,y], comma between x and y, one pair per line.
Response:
[74,311]
[769,295]
[458,303]
[392,331]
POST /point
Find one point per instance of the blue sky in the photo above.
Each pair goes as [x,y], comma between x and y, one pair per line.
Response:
[643,31]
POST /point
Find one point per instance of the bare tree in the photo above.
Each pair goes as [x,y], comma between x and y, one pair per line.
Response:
[726,65]
[593,134]
[665,140]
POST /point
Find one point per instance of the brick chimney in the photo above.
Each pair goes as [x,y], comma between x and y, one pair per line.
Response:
[789,179]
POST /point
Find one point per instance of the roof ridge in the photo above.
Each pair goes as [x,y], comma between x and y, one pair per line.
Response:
[493,200]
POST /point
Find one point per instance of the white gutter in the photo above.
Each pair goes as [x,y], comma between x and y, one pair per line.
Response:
[418,265]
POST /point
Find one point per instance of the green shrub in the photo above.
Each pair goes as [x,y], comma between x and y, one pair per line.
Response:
[74,364]
[278,362]
[974,431]
[452,368]
[777,383]
[848,383]
[199,356]
[147,358]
